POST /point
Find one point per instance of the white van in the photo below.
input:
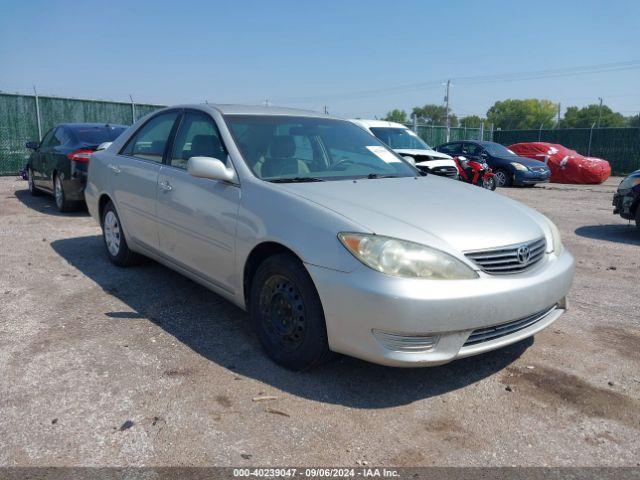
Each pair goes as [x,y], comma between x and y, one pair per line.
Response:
[406,143]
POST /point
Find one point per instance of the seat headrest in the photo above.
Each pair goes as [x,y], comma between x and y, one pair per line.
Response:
[282,146]
[206,146]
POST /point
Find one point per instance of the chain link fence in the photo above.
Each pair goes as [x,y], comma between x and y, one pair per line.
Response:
[21,114]
[619,146]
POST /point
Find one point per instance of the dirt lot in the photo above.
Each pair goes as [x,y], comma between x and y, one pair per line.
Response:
[140,366]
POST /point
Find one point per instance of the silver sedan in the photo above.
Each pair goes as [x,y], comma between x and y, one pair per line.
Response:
[330,240]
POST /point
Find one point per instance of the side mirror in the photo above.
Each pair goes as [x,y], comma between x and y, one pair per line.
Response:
[103,146]
[409,159]
[32,145]
[211,168]
[484,154]
[462,159]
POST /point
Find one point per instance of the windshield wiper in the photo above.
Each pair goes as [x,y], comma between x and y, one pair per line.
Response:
[380,175]
[297,180]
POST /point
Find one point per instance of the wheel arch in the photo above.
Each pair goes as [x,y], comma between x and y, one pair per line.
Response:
[259,254]
[102,202]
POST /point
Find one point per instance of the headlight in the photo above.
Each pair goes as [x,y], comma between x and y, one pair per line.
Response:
[405,259]
[519,166]
[629,182]
[557,239]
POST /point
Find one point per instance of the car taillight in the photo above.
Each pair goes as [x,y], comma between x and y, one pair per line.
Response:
[81,155]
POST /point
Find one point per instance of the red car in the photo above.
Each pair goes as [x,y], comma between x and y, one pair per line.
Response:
[566,165]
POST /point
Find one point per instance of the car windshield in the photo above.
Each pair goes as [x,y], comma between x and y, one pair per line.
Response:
[290,148]
[99,134]
[399,138]
[498,150]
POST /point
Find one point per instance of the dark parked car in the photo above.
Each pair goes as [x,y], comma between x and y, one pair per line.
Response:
[626,201]
[510,169]
[58,164]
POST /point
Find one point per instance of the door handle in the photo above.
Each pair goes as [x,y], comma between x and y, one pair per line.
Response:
[165,186]
[114,168]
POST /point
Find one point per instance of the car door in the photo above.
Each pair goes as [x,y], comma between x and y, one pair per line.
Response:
[134,178]
[45,158]
[197,216]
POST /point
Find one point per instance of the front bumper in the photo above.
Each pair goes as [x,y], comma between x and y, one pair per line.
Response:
[364,308]
[531,178]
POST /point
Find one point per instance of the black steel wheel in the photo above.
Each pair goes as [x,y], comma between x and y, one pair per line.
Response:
[287,313]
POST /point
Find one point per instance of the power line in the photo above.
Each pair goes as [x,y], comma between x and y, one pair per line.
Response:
[479,79]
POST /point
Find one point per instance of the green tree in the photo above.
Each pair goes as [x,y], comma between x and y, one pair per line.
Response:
[396,115]
[634,121]
[584,117]
[513,114]
[435,115]
[471,121]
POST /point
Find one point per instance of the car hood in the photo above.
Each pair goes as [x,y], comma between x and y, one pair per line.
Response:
[529,162]
[431,210]
[414,151]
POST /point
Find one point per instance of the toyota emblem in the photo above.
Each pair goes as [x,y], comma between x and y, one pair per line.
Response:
[524,254]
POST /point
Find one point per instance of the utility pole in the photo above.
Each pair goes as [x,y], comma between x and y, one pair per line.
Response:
[446,106]
[133,110]
[35,93]
[559,109]
[599,111]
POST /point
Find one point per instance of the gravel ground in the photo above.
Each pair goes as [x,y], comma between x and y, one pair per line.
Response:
[109,367]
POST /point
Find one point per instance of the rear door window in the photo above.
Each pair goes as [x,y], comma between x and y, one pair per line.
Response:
[450,148]
[149,142]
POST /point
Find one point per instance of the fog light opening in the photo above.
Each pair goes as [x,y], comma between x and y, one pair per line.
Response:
[408,343]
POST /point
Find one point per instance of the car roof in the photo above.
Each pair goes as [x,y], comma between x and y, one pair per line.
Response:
[90,125]
[230,109]
[376,123]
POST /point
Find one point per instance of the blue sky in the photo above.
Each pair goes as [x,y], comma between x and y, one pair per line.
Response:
[316,53]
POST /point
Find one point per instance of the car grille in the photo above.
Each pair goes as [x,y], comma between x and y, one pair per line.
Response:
[512,259]
[451,172]
[539,169]
[491,333]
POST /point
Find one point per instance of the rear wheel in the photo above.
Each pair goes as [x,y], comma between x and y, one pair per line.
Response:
[114,239]
[60,196]
[503,178]
[33,190]
[287,314]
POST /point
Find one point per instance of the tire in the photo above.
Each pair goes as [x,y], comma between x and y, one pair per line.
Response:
[503,178]
[114,240]
[638,217]
[60,197]
[33,190]
[287,314]
[489,183]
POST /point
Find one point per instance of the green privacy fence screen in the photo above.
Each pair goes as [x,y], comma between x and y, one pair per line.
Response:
[19,121]
[435,135]
[620,146]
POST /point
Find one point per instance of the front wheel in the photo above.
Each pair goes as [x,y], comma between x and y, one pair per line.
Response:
[503,178]
[489,183]
[287,314]
[114,240]
[33,190]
